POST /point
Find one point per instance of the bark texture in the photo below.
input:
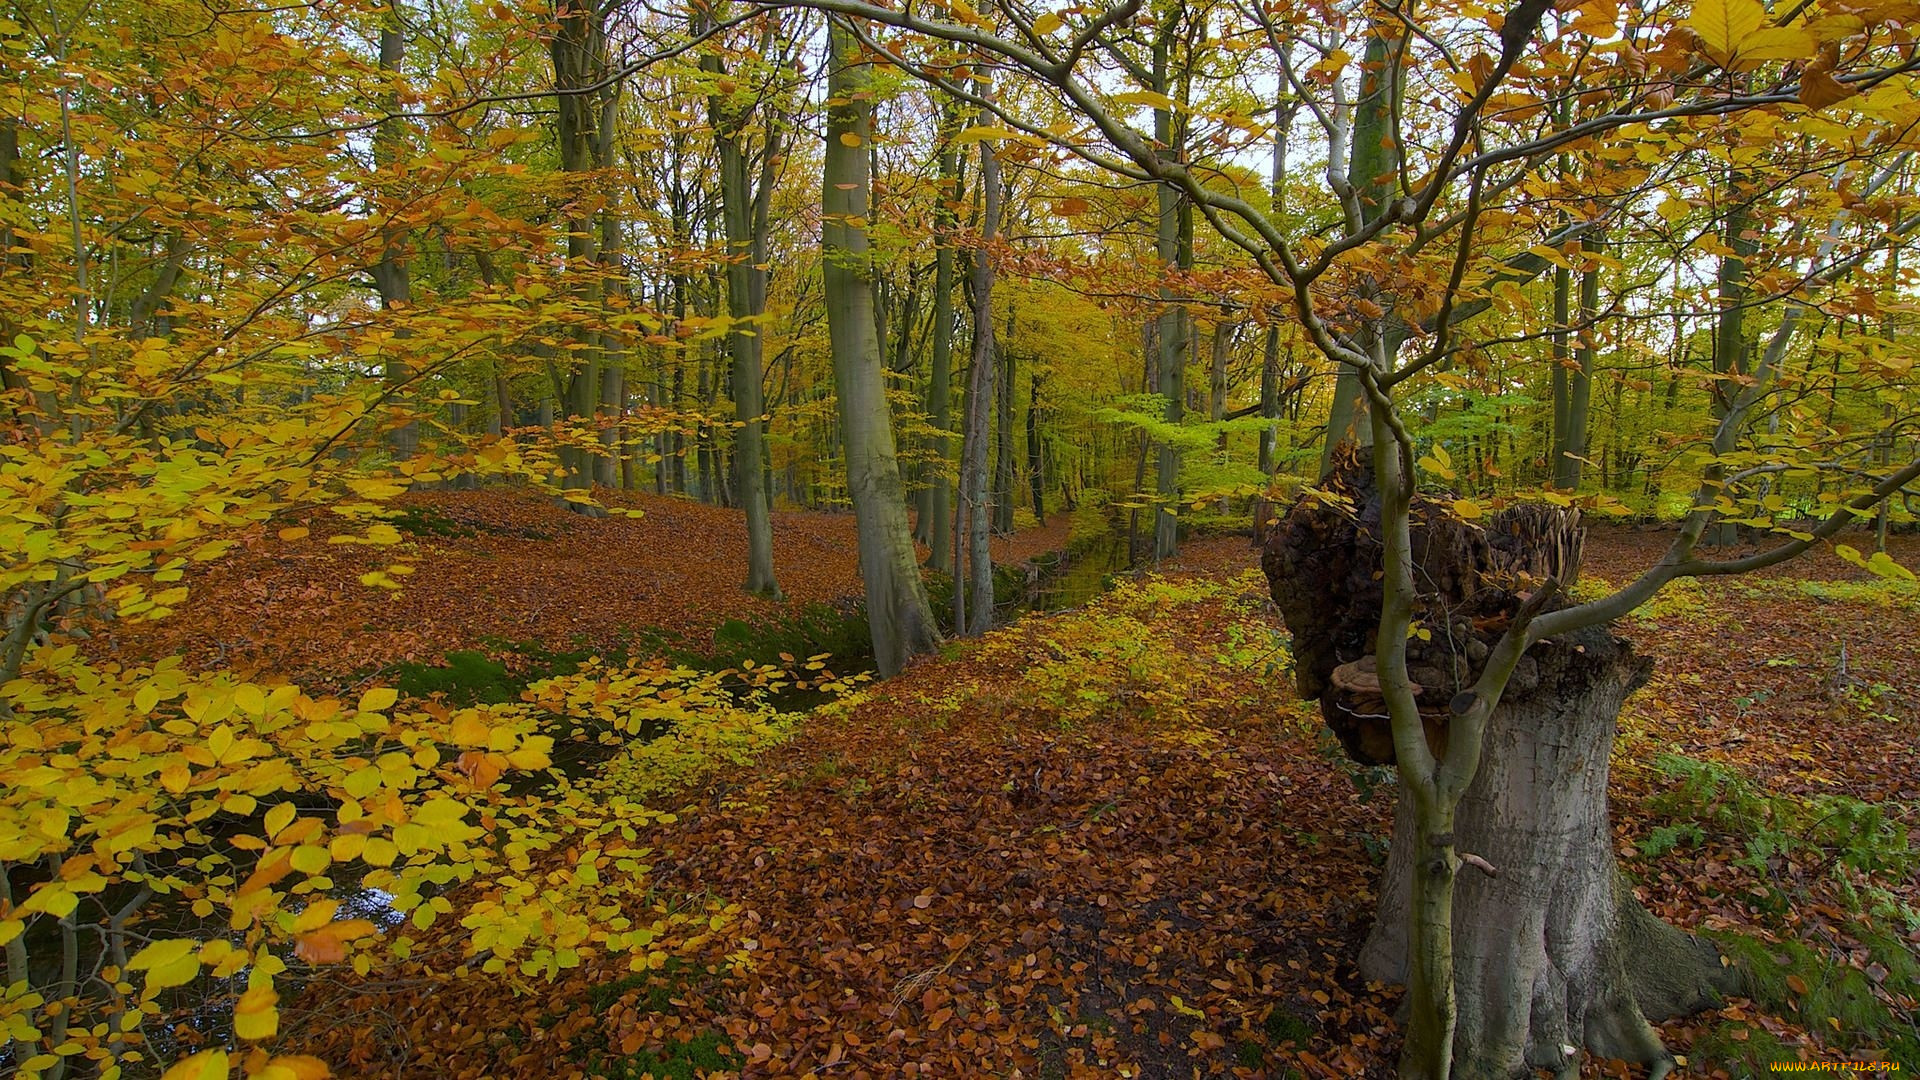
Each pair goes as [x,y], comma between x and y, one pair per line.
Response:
[897,608]
[1551,951]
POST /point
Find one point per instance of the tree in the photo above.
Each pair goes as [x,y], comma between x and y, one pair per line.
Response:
[897,608]
[745,209]
[937,506]
[974,521]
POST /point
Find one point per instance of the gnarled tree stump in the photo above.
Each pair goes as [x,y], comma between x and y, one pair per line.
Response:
[1552,952]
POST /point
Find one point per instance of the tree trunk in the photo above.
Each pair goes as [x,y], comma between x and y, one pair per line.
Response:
[1573,454]
[1036,461]
[1372,169]
[1004,435]
[744,210]
[391,275]
[936,512]
[1555,952]
[1270,366]
[897,610]
[1549,953]
[972,521]
[1173,243]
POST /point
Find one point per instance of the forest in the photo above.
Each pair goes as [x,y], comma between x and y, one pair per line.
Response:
[969,538]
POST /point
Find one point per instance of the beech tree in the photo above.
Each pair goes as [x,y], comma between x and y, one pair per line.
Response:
[897,609]
[745,208]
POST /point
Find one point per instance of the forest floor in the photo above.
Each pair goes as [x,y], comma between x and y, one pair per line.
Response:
[500,567]
[1110,842]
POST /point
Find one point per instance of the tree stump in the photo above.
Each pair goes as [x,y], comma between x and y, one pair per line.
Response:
[1552,952]
[1322,562]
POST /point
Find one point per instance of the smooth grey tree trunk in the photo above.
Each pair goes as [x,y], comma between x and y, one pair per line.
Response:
[1004,436]
[1036,456]
[1572,455]
[1561,352]
[897,610]
[578,51]
[974,521]
[1373,170]
[1173,245]
[744,211]
[1270,362]
[937,503]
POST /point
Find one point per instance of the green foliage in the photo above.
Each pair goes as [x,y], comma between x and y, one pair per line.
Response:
[1090,523]
[1667,838]
[427,521]
[1682,600]
[1111,657]
[1890,593]
[1859,845]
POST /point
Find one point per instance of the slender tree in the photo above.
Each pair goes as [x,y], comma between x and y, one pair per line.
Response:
[937,502]
[745,207]
[974,521]
[897,609]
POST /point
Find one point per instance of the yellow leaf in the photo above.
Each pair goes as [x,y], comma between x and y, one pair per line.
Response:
[296,533]
[254,1016]
[1722,25]
[1468,510]
[378,699]
[205,1065]
[848,138]
[1779,43]
[529,758]
[982,133]
[280,817]
[318,914]
[294,1067]
[10,929]
[440,813]
[379,852]
[469,729]
[1144,97]
[161,953]
[310,858]
[251,699]
[1047,24]
[177,972]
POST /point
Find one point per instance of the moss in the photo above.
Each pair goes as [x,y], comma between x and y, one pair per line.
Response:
[1282,1026]
[702,1054]
[467,678]
[492,675]
[1740,1048]
[1877,592]
[1839,1000]
[426,521]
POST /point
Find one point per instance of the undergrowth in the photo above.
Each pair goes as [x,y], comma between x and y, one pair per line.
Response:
[1855,843]
[1847,991]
